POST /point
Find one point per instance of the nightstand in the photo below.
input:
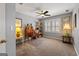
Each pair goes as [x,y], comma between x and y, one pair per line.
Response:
[67,39]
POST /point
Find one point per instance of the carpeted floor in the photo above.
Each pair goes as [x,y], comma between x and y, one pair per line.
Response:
[45,47]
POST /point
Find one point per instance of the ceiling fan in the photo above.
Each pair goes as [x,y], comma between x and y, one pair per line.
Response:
[44,13]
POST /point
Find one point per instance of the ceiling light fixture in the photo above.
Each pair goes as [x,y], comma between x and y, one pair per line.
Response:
[66,10]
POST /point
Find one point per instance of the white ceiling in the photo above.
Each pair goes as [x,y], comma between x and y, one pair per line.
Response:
[30,9]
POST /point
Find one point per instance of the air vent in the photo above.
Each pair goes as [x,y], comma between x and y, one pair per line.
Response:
[21,3]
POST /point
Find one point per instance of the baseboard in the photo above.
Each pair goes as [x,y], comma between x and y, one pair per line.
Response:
[76,51]
[52,37]
[3,54]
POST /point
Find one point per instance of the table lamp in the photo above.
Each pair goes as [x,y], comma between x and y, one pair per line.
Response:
[66,29]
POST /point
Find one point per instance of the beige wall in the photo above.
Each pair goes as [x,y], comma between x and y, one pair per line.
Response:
[2,21]
[2,28]
[76,29]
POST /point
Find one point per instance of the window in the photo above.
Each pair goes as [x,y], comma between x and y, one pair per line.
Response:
[45,22]
[52,25]
[47,25]
[56,25]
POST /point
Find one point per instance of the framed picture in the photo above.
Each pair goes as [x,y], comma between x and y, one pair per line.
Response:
[18,28]
[75,17]
[18,22]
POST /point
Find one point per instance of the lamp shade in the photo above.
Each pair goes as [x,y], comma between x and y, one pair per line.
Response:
[66,27]
[18,29]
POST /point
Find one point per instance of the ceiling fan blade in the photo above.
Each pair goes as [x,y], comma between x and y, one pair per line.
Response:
[43,13]
[39,13]
[47,14]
